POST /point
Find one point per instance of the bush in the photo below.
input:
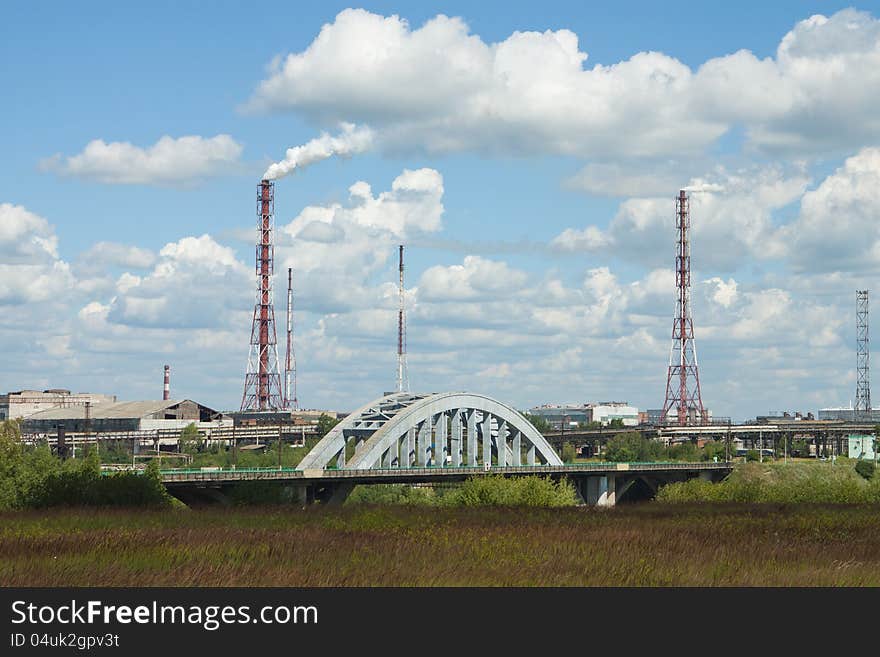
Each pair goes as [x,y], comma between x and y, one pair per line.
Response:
[752,456]
[569,453]
[513,491]
[779,484]
[865,468]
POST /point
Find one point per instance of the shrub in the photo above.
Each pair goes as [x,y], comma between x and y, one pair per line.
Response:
[865,468]
[569,453]
[752,456]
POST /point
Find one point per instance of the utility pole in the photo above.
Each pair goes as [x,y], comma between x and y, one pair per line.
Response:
[727,443]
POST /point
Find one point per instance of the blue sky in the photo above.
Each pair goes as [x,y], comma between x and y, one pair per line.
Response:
[511,292]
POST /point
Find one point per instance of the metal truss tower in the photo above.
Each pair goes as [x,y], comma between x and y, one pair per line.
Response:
[683,404]
[402,374]
[262,382]
[291,403]
[863,381]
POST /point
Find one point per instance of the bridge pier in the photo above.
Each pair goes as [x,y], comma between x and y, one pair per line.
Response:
[599,490]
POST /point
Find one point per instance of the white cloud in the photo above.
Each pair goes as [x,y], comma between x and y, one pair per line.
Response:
[25,236]
[731,220]
[475,278]
[335,249]
[195,283]
[121,255]
[837,228]
[30,267]
[169,161]
[442,88]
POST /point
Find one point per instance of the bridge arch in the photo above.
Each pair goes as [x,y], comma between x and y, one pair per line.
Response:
[404,430]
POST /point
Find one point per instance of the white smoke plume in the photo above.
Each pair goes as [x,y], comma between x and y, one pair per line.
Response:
[353,139]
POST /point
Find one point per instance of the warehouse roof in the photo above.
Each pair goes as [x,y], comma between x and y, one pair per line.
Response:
[117,410]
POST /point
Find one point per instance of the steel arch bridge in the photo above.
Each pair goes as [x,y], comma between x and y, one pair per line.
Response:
[403,430]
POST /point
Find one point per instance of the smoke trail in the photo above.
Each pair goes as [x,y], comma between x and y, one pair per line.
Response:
[351,140]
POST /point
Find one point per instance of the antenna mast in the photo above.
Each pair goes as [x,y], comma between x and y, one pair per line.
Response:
[402,378]
[290,365]
[863,381]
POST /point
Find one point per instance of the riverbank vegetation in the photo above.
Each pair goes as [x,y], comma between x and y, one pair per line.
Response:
[396,545]
[782,483]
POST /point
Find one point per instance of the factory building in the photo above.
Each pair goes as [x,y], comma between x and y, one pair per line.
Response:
[119,417]
[24,403]
[570,416]
[848,414]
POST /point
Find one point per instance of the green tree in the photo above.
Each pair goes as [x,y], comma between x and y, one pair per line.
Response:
[616,423]
[753,456]
[190,439]
[325,423]
[540,423]
[628,447]
[569,453]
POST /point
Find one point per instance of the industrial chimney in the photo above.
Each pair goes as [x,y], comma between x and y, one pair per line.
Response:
[166,388]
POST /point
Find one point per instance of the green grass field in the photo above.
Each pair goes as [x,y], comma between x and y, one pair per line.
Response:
[647,544]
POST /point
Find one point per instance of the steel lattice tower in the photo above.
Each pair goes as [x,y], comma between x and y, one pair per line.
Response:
[863,381]
[402,375]
[262,382]
[683,404]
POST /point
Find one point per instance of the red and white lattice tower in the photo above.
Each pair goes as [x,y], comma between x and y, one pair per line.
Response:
[683,404]
[262,382]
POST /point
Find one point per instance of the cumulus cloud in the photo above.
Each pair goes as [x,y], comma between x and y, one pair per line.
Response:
[169,161]
[443,88]
[837,228]
[351,140]
[336,248]
[475,278]
[195,283]
[732,220]
[120,255]
[30,267]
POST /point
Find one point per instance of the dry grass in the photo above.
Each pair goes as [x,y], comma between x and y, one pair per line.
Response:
[650,544]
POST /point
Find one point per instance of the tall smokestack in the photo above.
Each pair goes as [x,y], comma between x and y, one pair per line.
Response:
[402,383]
[166,387]
[262,382]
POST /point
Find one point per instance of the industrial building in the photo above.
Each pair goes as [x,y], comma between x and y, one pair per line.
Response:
[120,417]
[570,416]
[24,403]
[848,414]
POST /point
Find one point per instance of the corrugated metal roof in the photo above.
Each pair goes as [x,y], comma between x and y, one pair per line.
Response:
[118,410]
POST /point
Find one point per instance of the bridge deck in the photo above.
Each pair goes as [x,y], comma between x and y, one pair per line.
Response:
[413,475]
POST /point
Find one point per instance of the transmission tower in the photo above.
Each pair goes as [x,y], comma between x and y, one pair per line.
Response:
[262,382]
[863,381]
[683,404]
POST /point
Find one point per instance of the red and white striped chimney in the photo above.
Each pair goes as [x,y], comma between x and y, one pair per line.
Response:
[166,389]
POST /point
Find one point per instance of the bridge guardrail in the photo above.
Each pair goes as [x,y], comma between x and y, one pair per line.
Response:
[197,474]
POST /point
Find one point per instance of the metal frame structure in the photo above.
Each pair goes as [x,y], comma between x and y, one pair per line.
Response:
[683,401]
[262,383]
[404,430]
[863,381]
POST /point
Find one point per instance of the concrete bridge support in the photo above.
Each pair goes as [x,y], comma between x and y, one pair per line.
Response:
[600,490]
